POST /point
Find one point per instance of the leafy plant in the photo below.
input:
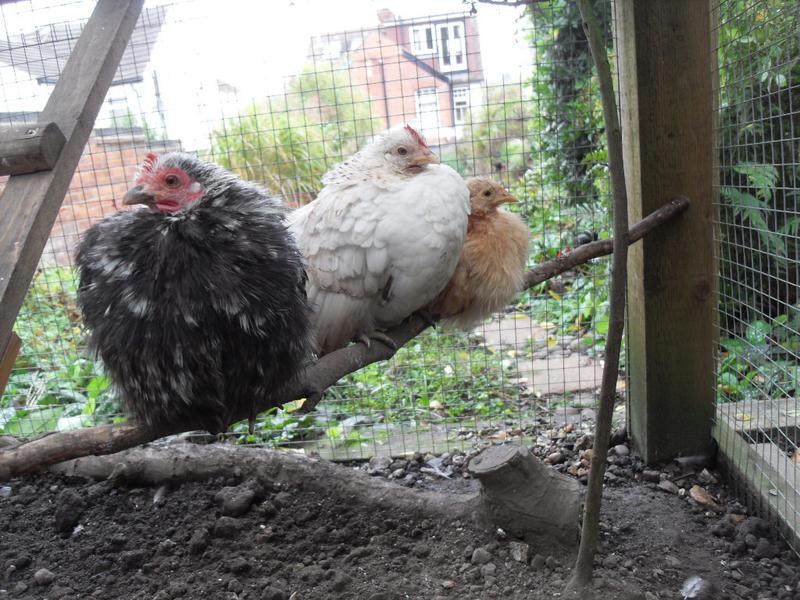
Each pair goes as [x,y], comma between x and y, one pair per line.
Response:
[54,384]
[438,377]
[498,136]
[762,363]
[291,140]
[759,73]
[568,125]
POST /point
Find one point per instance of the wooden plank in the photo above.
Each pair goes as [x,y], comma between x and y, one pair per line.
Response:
[7,361]
[30,148]
[768,476]
[30,203]
[666,104]
[752,416]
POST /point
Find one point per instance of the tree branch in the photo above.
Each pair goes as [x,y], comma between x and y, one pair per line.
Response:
[53,448]
[590,528]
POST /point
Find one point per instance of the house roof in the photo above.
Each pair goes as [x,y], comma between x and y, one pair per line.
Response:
[44,52]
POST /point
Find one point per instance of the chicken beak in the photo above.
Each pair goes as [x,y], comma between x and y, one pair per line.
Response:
[426,158]
[137,195]
[508,199]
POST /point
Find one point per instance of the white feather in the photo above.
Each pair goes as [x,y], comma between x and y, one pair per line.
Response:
[693,587]
[357,237]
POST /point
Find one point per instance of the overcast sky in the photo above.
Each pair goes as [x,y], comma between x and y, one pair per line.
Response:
[237,38]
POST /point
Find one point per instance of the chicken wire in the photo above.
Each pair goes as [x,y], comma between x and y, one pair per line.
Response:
[282,111]
[756,232]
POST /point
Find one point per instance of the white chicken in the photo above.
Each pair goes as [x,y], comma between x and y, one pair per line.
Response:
[382,238]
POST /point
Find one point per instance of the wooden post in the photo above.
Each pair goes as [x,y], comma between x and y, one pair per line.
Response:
[30,203]
[7,361]
[666,108]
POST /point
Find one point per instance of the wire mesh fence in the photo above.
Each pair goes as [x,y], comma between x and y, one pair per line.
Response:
[758,147]
[285,91]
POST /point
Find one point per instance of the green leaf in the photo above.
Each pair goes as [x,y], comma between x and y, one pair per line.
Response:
[758,332]
[27,423]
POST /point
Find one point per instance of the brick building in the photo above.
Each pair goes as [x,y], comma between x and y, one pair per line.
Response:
[426,71]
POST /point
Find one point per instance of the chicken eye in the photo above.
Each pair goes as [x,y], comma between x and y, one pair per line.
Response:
[402,151]
[172,180]
[487,193]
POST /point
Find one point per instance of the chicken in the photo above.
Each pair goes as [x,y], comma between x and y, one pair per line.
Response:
[382,238]
[197,306]
[491,269]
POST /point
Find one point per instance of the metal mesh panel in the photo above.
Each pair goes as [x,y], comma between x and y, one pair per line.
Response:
[281,91]
[758,137]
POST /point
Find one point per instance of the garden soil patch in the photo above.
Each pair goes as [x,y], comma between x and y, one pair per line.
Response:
[67,538]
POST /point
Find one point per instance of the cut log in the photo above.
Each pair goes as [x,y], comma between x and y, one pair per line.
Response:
[30,148]
[525,498]
[537,504]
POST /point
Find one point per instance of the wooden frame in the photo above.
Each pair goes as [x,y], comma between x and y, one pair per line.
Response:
[30,203]
[7,360]
[666,105]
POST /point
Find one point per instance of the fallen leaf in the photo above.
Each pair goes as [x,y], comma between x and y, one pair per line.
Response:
[701,496]
[500,436]
[743,416]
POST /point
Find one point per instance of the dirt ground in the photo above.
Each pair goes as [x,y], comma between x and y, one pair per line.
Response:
[74,539]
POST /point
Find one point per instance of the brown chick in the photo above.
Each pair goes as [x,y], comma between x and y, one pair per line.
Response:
[491,269]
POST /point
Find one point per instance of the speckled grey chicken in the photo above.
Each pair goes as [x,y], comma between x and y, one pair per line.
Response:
[196,305]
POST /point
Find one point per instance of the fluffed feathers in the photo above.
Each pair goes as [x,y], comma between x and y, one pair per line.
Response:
[382,238]
[197,307]
[491,268]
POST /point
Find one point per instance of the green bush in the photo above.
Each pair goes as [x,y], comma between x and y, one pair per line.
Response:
[289,141]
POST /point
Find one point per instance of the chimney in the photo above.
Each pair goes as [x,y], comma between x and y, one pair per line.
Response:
[386,16]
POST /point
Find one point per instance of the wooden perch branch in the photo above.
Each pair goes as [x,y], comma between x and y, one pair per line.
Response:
[53,448]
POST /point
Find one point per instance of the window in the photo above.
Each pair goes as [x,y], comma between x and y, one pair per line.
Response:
[460,105]
[451,47]
[428,109]
[447,40]
[331,49]
[422,40]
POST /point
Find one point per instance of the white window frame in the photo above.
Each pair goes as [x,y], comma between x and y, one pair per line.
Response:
[460,104]
[448,41]
[452,53]
[421,35]
[430,98]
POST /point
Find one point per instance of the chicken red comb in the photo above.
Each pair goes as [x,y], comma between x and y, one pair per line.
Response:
[149,162]
[415,134]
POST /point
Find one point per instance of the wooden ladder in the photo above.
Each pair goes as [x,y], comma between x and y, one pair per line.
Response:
[41,159]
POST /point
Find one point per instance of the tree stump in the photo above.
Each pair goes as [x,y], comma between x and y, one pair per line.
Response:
[525,498]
